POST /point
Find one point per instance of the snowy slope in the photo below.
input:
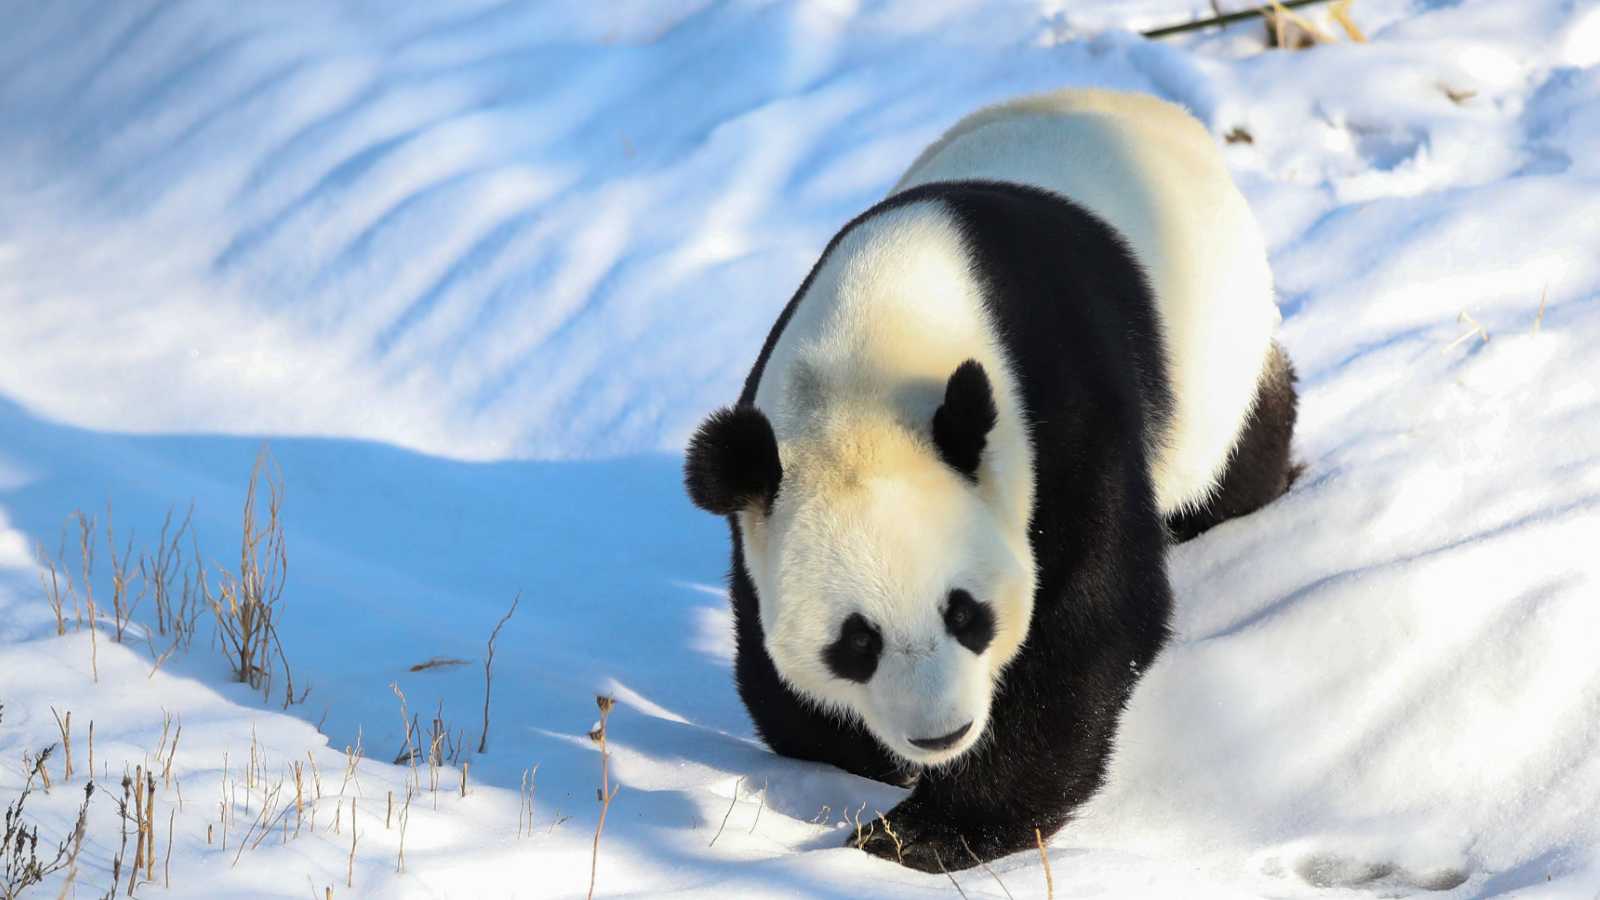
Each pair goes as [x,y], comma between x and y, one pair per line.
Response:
[476,269]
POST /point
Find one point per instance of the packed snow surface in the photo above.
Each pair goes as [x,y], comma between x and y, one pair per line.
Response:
[475,270]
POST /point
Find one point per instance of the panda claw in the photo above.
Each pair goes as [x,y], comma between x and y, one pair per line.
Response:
[913,848]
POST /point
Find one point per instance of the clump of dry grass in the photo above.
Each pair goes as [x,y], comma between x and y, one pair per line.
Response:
[172,584]
[21,866]
[247,603]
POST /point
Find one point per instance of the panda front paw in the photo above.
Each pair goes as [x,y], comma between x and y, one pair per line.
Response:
[915,844]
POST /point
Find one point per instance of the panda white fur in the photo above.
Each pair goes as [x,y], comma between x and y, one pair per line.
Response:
[956,466]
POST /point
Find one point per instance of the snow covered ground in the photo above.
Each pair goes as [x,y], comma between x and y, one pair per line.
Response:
[475,270]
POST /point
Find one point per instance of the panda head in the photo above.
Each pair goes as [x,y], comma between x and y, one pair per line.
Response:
[890,587]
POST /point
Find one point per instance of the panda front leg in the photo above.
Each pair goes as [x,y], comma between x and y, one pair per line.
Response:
[1045,754]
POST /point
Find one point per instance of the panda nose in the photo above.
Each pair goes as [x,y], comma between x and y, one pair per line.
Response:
[942,743]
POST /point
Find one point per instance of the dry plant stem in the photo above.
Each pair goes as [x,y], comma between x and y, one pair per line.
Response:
[138,816]
[488,670]
[731,801]
[350,870]
[947,874]
[984,866]
[1049,882]
[150,827]
[121,607]
[899,848]
[410,751]
[1223,19]
[86,553]
[1539,320]
[91,748]
[605,795]
[65,725]
[166,771]
[166,864]
[246,604]
[52,588]
[1341,14]
[763,805]
[405,817]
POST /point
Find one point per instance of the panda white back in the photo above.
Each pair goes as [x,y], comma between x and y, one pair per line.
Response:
[1151,171]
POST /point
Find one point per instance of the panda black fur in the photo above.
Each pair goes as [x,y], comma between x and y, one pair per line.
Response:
[954,471]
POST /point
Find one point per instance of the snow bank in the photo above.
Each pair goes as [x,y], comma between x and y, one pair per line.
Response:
[476,271]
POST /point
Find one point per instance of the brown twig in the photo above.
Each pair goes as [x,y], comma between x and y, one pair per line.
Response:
[488,672]
[1224,19]
[605,794]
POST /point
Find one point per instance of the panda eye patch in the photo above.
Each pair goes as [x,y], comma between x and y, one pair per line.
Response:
[853,656]
[971,623]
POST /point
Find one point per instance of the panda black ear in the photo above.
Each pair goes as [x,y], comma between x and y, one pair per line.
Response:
[732,462]
[961,425]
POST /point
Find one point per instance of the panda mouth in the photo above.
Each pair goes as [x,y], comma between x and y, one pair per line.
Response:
[942,743]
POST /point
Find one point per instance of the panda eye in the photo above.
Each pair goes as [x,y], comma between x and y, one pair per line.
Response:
[959,618]
[971,623]
[853,656]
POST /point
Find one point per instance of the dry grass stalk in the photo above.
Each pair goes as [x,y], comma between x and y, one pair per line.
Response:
[464,767]
[488,670]
[122,817]
[352,755]
[731,802]
[1544,295]
[350,870]
[405,817]
[175,615]
[388,812]
[299,794]
[759,807]
[316,777]
[1476,331]
[947,874]
[1219,17]
[525,795]
[262,821]
[1289,30]
[172,753]
[606,793]
[122,606]
[91,748]
[1340,11]
[65,726]
[899,848]
[86,554]
[138,818]
[37,765]
[150,826]
[52,588]
[1049,881]
[246,605]
[409,752]
[984,866]
[166,864]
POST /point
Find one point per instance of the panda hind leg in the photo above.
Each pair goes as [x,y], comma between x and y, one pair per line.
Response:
[1261,468]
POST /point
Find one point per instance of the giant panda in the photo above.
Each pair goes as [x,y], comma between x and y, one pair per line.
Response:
[956,467]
